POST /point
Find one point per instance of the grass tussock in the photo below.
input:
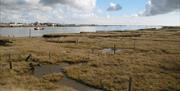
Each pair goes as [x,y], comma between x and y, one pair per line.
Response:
[5,42]
[54,77]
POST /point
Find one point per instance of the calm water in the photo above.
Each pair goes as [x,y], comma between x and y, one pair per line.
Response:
[24,31]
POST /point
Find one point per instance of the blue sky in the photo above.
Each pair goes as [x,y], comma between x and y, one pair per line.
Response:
[118,12]
[130,7]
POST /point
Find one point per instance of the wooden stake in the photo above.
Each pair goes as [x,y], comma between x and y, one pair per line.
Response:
[49,56]
[134,44]
[114,49]
[10,63]
[29,56]
[130,84]
[77,42]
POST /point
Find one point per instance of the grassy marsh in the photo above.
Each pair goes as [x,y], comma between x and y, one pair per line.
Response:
[150,57]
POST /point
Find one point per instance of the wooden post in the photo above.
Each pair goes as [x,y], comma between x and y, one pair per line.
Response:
[29,33]
[29,56]
[10,62]
[134,43]
[114,49]
[130,84]
[77,42]
[49,55]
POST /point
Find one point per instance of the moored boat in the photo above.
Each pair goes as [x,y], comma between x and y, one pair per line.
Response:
[38,28]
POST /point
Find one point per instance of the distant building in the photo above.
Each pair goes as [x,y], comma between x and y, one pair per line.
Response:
[4,24]
[15,24]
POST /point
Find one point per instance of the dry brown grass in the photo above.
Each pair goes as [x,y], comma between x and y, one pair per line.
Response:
[154,64]
[53,77]
[21,89]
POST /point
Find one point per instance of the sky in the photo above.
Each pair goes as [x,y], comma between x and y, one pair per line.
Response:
[113,12]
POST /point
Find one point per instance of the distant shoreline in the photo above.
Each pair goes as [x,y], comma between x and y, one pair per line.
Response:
[74,25]
[45,25]
[69,25]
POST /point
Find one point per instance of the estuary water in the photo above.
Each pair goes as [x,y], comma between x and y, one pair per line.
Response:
[26,31]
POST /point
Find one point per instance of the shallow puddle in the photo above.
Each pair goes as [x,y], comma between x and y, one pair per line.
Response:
[111,50]
[48,69]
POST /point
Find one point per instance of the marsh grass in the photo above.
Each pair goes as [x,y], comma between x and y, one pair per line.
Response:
[152,60]
[53,77]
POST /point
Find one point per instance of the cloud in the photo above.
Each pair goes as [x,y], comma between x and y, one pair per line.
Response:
[114,7]
[155,7]
[85,5]
[81,12]
[38,10]
[23,11]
